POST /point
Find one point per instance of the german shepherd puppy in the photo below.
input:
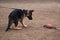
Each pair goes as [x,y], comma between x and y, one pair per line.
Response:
[18,15]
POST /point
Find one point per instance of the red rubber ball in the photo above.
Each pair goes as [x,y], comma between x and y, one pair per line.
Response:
[48,25]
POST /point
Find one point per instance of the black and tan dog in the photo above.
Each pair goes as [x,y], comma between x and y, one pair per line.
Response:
[18,15]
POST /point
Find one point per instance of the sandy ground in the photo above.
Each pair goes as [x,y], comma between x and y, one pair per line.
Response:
[44,13]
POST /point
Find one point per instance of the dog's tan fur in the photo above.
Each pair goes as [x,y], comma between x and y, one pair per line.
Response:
[21,21]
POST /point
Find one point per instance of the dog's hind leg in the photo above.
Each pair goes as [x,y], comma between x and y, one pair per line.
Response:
[16,24]
[9,24]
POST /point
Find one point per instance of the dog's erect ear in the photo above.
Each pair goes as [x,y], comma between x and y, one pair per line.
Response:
[31,10]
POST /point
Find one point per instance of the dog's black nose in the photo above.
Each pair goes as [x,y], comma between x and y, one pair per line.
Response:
[30,19]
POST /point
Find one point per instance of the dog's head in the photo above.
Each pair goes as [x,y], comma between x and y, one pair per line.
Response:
[29,14]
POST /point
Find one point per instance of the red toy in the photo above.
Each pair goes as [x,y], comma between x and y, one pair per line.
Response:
[49,26]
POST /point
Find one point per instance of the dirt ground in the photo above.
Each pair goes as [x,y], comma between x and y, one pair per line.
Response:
[43,13]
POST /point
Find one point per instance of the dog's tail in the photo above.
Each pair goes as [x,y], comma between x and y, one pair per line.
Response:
[9,24]
[6,29]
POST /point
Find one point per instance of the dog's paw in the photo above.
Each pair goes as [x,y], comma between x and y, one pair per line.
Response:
[16,28]
[25,26]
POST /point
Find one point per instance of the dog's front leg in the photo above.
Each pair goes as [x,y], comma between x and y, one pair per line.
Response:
[23,23]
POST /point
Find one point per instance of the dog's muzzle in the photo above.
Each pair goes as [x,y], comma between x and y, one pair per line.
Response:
[29,17]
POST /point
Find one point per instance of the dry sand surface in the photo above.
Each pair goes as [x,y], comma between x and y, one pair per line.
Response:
[44,13]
